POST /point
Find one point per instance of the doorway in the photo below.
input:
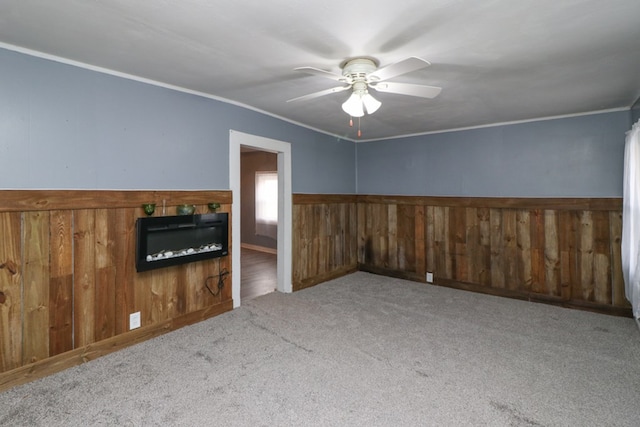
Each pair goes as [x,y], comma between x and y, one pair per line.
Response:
[284,237]
[258,222]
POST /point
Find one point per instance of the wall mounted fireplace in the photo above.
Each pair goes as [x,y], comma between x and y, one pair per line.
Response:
[173,240]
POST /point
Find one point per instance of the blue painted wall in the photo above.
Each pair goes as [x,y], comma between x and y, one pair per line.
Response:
[64,127]
[569,157]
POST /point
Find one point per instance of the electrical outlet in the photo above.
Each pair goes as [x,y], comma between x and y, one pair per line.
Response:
[134,320]
[429,277]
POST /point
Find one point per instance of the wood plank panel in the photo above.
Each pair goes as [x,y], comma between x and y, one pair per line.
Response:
[617,279]
[61,288]
[567,238]
[225,267]
[457,237]
[105,302]
[161,280]
[443,264]
[314,239]
[362,236]
[84,272]
[536,218]
[124,250]
[585,286]
[523,235]
[178,303]
[392,239]
[601,258]
[497,249]
[324,239]
[551,253]
[339,241]
[315,216]
[417,257]
[36,286]
[483,257]
[301,266]
[335,234]
[429,237]
[10,292]
[405,238]
[371,249]
[472,245]
[193,288]
[510,234]
[142,295]
[382,235]
[353,235]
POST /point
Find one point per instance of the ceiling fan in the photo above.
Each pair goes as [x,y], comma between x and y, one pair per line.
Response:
[361,74]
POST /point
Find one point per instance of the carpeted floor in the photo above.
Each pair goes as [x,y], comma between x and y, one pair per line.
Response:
[362,350]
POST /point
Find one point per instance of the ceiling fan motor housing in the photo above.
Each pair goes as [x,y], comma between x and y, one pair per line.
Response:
[358,69]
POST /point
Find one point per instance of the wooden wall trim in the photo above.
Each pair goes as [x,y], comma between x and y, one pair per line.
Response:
[556,203]
[40,200]
[60,362]
[303,199]
[570,204]
[535,297]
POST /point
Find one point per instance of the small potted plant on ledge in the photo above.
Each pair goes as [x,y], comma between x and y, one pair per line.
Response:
[149,208]
[185,209]
[213,207]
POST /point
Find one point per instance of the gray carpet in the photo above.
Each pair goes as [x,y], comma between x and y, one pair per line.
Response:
[362,350]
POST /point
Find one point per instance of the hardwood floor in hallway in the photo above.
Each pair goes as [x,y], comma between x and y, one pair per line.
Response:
[259,273]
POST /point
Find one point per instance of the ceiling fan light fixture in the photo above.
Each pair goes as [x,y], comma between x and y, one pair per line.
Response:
[370,103]
[354,105]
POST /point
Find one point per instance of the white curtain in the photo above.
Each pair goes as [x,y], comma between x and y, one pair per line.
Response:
[631,219]
[267,204]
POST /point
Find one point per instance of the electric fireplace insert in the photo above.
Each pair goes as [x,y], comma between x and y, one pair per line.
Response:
[172,240]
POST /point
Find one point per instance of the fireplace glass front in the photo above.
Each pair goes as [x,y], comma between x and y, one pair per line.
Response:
[173,240]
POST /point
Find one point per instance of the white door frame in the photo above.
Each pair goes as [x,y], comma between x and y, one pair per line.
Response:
[283,149]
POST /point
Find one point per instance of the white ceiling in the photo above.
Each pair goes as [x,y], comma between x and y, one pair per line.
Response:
[496,60]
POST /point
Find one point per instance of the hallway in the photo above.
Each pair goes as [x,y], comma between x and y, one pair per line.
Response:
[259,273]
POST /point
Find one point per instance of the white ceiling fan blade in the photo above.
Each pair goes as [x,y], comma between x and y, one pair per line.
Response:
[322,73]
[320,93]
[422,91]
[402,67]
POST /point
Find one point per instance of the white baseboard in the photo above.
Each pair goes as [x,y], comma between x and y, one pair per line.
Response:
[259,248]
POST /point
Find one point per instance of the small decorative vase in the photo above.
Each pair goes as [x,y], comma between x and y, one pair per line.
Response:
[186,209]
[213,207]
[149,208]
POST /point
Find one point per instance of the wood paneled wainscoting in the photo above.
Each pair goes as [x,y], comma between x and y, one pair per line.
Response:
[68,281]
[561,251]
[324,238]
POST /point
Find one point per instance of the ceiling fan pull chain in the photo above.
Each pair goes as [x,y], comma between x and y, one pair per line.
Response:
[350,121]
[359,132]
